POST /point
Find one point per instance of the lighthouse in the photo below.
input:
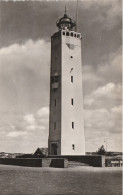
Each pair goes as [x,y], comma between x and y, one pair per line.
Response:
[66,118]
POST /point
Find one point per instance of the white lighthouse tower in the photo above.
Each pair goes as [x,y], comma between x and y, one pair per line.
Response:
[66,124]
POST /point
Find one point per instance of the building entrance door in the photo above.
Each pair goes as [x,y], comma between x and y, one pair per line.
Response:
[54,147]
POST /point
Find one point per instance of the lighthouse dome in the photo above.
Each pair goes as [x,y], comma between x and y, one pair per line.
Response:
[65,23]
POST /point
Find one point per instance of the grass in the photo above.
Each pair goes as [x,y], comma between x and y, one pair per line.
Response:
[16,180]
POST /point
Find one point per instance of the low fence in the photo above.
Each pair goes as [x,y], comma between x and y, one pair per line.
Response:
[55,161]
[36,162]
[92,160]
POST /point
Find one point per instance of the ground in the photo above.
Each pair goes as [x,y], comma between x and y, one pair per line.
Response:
[15,180]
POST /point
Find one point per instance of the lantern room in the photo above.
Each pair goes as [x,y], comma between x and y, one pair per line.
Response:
[65,23]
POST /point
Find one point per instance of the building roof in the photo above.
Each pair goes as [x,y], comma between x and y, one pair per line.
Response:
[41,152]
[66,21]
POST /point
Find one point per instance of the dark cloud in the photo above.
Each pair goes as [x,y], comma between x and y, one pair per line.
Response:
[99,22]
[21,21]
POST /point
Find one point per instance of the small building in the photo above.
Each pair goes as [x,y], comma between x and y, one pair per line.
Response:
[113,162]
[41,152]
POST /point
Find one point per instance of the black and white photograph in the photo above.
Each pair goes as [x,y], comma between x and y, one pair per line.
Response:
[61,97]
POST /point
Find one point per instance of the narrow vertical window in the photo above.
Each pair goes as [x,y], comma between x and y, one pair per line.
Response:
[54,125]
[71,79]
[63,33]
[55,102]
[72,101]
[72,125]
[73,146]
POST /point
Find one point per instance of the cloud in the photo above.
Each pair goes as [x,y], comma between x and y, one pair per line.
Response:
[103,124]
[24,76]
[29,118]
[30,54]
[102,99]
[110,14]
[43,112]
[107,71]
[37,121]
[117,109]
[32,128]
[97,118]
[105,90]
[111,66]
[35,127]
[15,134]
[109,92]
[102,119]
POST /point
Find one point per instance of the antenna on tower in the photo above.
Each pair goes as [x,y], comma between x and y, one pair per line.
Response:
[76,15]
[65,10]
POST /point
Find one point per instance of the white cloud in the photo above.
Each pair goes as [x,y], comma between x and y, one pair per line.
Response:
[117,109]
[104,120]
[43,112]
[24,75]
[35,127]
[103,114]
[29,118]
[18,53]
[16,134]
[88,100]
[110,91]
[31,127]
[37,121]
[24,84]
[108,71]
[103,124]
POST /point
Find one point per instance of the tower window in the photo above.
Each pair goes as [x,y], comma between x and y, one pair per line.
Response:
[73,146]
[71,70]
[72,34]
[54,125]
[72,101]
[67,34]
[78,36]
[55,82]
[71,56]
[63,33]
[72,125]
[55,79]
[71,79]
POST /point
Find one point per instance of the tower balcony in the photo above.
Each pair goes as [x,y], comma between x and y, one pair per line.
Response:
[55,81]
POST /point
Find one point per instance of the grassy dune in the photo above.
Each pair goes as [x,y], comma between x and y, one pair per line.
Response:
[80,180]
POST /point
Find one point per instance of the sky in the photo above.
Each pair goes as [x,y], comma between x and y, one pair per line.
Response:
[25,31]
